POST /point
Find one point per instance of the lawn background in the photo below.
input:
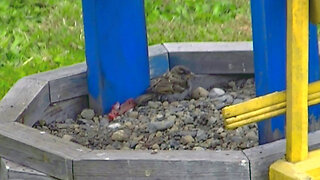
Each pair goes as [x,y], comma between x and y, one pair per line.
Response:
[40,35]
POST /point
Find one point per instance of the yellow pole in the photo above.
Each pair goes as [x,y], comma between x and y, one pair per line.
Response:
[297,80]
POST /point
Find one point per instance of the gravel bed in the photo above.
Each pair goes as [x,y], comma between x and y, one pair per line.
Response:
[192,124]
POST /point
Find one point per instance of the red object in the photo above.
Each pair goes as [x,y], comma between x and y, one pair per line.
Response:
[118,109]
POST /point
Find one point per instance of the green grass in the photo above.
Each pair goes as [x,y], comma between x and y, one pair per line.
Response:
[39,35]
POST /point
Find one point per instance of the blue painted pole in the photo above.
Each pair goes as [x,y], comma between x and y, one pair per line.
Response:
[116,51]
[269,44]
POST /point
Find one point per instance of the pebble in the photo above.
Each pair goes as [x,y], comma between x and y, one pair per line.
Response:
[187,139]
[119,135]
[133,114]
[87,114]
[161,125]
[114,125]
[216,92]
[155,146]
[199,92]
[67,137]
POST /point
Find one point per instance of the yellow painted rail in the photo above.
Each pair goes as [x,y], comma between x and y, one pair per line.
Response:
[234,118]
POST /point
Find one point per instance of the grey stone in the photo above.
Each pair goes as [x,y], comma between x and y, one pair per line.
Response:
[216,92]
[199,92]
[133,114]
[119,135]
[87,114]
[187,139]
[158,126]
[201,135]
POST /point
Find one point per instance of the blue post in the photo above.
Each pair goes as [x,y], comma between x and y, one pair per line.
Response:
[116,51]
[269,44]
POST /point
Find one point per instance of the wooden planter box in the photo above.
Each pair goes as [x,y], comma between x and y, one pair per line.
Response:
[62,94]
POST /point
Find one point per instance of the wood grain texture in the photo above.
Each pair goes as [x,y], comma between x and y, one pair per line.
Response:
[122,165]
[212,58]
[23,99]
[68,87]
[61,72]
[16,171]
[65,109]
[42,152]
[3,170]
[261,157]
[65,83]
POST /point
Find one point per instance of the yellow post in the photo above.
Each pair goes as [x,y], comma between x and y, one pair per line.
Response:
[297,80]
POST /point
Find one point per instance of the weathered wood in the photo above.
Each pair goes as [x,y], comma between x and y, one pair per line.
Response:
[16,171]
[3,170]
[65,109]
[261,157]
[158,60]
[25,98]
[68,87]
[65,83]
[213,58]
[38,150]
[175,165]
[61,72]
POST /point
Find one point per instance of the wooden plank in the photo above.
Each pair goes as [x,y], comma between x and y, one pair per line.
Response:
[16,171]
[66,82]
[263,156]
[3,170]
[212,58]
[158,60]
[65,109]
[23,99]
[40,151]
[68,87]
[119,165]
[62,72]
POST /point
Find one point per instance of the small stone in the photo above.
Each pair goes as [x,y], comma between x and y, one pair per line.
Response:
[128,125]
[155,151]
[138,146]
[87,114]
[198,148]
[119,135]
[160,125]
[251,135]
[220,130]
[155,146]
[171,118]
[159,134]
[201,135]
[67,137]
[133,114]
[188,120]
[153,104]
[165,104]
[104,122]
[199,92]
[216,92]
[114,125]
[173,144]
[187,139]
[96,120]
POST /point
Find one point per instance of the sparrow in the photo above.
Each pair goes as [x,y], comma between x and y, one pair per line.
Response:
[173,85]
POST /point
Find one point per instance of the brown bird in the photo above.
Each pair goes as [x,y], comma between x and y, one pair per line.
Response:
[173,85]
